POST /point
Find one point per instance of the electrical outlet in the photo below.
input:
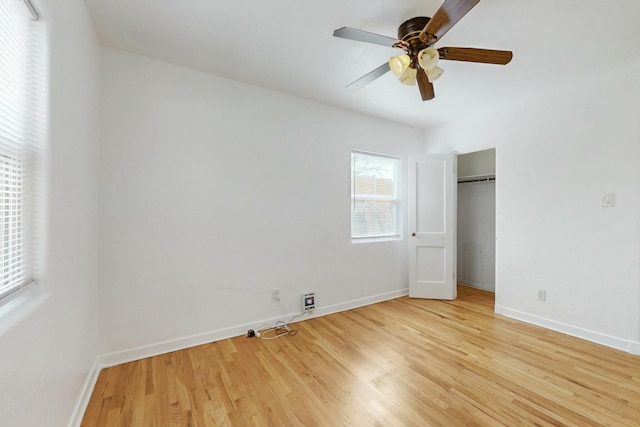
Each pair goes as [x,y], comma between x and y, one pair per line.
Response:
[309,302]
[542,295]
[275,295]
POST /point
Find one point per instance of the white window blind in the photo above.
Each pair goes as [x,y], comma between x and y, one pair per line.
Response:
[21,135]
[374,196]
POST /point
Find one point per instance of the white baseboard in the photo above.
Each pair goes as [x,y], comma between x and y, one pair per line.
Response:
[361,302]
[129,355]
[85,395]
[142,352]
[575,331]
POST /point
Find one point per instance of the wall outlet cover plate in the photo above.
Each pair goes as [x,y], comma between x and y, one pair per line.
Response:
[309,301]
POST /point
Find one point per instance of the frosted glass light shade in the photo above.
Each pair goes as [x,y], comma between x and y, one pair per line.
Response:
[399,64]
[434,73]
[428,58]
[409,76]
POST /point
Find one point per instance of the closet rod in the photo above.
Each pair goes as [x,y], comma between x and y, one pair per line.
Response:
[477,180]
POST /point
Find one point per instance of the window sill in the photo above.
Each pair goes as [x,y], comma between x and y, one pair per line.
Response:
[376,239]
[17,308]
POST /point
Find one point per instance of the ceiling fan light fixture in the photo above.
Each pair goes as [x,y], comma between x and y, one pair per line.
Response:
[434,73]
[416,36]
[399,64]
[409,76]
[428,58]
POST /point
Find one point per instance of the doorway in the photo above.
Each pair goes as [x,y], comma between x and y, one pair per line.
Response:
[476,238]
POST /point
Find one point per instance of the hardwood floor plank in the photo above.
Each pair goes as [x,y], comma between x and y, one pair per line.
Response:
[402,362]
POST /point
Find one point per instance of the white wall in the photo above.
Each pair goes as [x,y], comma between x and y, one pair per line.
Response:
[476,242]
[557,154]
[214,192]
[48,338]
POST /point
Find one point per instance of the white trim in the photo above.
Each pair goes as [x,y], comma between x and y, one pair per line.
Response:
[394,238]
[137,353]
[360,302]
[124,356]
[21,305]
[85,395]
[575,331]
[14,292]
[476,149]
[396,199]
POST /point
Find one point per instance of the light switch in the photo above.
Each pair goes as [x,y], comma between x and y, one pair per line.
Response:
[607,200]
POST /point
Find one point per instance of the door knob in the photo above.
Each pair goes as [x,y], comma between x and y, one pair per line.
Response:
[413,234]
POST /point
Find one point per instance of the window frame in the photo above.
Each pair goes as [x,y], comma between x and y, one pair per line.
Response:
[396,198]
[22,135]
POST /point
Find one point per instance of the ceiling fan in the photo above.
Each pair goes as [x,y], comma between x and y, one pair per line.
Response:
[416,37]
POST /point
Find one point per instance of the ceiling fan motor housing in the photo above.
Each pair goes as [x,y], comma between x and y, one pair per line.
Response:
[408,32]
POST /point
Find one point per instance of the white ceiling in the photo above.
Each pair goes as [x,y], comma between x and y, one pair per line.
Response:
[287,46]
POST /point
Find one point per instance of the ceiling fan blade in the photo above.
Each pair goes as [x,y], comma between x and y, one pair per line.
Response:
[369,77]
[364,36]
[469,54]
[425,86]
[445,18]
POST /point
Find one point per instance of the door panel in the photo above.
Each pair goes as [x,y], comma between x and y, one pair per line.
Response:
[432,256]
[430,264]
[430,197]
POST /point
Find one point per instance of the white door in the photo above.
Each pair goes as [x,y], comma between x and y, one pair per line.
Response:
[432,226]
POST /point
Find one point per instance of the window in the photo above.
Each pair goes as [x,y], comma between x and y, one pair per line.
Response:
[374,196]
[21,133]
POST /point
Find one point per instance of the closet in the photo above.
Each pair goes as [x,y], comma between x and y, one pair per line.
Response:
[476,242]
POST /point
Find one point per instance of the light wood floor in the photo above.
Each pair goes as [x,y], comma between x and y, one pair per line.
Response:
[404,362]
